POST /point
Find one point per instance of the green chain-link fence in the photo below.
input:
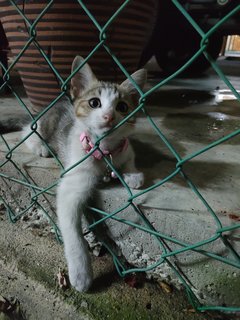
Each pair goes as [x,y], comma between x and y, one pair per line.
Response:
[37,191]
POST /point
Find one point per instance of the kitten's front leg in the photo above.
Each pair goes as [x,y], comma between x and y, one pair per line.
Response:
[131,175]
[72,196]
[34,143]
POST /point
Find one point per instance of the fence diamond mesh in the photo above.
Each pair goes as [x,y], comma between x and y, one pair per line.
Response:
[36,191]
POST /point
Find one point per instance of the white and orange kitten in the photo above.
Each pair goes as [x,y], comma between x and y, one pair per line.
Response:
[71,131]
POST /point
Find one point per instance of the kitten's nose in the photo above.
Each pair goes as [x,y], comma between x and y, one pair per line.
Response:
[108,117]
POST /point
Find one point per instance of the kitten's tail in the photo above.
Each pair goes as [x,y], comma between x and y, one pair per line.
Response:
[12,123]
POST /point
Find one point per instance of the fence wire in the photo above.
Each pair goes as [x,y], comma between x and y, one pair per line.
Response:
[36,191]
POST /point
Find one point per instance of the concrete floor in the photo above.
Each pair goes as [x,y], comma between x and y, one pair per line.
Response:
[191,113]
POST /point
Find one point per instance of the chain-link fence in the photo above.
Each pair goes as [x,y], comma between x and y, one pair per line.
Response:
[103,43]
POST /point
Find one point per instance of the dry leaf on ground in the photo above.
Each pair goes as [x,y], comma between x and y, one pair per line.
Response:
[62,279]
[165,287]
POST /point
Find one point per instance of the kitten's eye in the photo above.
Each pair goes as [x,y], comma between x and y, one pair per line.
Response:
[122,107]
[95,103]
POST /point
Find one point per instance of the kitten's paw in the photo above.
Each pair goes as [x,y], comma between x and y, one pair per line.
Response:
[134,180]
[81,280]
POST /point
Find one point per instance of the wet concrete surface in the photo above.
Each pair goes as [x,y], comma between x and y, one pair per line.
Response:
[201,109]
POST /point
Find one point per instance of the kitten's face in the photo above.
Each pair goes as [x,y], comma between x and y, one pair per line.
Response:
[103,106]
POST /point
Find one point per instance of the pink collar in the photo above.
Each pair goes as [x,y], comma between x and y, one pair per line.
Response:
[97,154]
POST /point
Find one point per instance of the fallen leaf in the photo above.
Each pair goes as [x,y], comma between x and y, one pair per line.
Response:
[4,304]
[165,287]
[62,279]
[10,309]
[135,280]
[131,280]
[234,217]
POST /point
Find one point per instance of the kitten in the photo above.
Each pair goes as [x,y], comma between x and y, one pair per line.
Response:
[71,131]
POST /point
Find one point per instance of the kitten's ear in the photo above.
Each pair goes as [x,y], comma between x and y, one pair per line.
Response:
[140,77]
[82,79]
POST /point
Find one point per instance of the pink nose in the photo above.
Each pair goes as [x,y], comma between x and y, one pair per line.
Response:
[108,117]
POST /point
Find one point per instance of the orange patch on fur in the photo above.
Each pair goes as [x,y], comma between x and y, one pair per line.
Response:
[81,108]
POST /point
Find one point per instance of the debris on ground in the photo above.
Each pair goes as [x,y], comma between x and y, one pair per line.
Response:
[135,280]
[10,309]
[63,280]
[165,287]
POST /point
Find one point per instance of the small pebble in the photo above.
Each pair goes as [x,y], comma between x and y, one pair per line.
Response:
[84,304]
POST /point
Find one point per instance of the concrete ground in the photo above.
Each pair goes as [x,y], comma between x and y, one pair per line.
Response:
[191,113]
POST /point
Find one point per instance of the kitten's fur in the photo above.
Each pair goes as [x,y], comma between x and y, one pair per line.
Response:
[61,127]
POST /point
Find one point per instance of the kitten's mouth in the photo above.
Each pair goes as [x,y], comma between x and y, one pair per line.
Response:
[106,129]
[101,130]
[107,126]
